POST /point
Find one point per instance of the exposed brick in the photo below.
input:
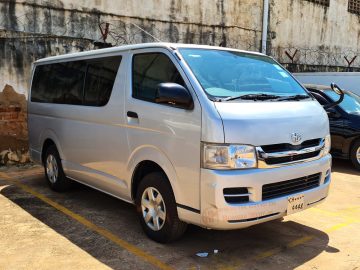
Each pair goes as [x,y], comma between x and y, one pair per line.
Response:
[13,114]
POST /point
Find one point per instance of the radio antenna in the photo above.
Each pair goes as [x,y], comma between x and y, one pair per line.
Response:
[146,32]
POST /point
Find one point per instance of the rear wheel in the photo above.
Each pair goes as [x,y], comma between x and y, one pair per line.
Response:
[54,172]
[156,207]
[355,154]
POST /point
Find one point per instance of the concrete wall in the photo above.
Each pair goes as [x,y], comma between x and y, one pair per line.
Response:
[30,30]
[322,36]
[232,23]
[302,35]
[314,36]
[18,50]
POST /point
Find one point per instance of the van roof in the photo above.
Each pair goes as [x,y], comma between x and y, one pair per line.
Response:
[122,48]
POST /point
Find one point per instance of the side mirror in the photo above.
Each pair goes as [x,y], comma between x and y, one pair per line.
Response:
[338,91]
[175,95]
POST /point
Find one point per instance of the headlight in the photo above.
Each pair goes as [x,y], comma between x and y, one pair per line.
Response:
[327,145]
[225,157]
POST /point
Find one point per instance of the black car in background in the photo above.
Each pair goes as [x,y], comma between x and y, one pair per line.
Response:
[344,122]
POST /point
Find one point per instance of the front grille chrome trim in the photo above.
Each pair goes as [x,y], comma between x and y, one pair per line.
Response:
[262,155]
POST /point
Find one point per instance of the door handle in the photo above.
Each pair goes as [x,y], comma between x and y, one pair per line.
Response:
[132,114]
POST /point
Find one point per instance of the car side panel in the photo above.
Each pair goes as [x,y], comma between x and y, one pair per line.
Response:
[91,140]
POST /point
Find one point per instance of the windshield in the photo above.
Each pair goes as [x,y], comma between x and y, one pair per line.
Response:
[224,74]
[350,104]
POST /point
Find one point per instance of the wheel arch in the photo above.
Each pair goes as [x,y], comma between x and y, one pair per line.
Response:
[352,144]
[49,138]
[148,159]
[348,145]
[353,141]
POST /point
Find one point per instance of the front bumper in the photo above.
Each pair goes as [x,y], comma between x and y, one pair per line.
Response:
[216,213]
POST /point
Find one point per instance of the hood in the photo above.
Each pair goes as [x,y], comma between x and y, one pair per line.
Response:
[262,123]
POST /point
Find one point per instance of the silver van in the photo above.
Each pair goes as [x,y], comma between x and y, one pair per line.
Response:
[211,136]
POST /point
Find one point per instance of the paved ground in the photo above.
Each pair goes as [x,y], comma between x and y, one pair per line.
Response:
[85,229]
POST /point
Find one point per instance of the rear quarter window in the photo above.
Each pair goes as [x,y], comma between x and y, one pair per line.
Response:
[60,83]
[86,82]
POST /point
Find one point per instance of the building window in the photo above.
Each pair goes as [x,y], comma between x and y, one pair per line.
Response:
[322,2]
[354,6]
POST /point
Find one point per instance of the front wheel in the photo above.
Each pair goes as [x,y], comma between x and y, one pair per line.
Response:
[156,207]
[355,154]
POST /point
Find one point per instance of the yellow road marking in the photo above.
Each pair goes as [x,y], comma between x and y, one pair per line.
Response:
[156,262]
[298,241]
[302,240]
[325,212]
[340,225]
[267,253]
[344,213]
[102,231]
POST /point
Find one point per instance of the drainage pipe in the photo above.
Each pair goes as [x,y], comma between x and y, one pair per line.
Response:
[265,26]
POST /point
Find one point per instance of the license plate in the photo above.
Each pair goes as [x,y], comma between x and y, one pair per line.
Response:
[295,204]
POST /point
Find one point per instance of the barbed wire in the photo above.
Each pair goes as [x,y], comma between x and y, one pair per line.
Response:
[131,31]
[316,57]
[121,33]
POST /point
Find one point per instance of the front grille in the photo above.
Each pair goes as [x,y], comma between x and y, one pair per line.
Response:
[282,147]
[236,195]
[283,188]
[284,153]
[278,160]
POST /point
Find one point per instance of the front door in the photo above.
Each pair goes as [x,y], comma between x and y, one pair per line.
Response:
[174,133]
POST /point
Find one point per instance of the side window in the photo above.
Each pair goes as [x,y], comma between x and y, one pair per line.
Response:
[41,85]
[100,78]
[67,80]
[63,83]
[60,83]
[150,69]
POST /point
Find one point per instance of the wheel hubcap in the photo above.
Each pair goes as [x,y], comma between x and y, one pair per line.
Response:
[358,155]
[153,208]
[52,170]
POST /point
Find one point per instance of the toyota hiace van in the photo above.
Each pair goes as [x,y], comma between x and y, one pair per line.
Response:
[216,137]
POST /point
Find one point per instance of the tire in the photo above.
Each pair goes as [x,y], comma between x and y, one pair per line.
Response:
[54,172]
[355,154]
[169,227]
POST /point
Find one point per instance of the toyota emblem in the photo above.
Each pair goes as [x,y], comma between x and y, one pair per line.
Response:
[296,138]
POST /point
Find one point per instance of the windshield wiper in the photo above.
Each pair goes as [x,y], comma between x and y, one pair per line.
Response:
[216,99]
[295,97]
[252,97]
